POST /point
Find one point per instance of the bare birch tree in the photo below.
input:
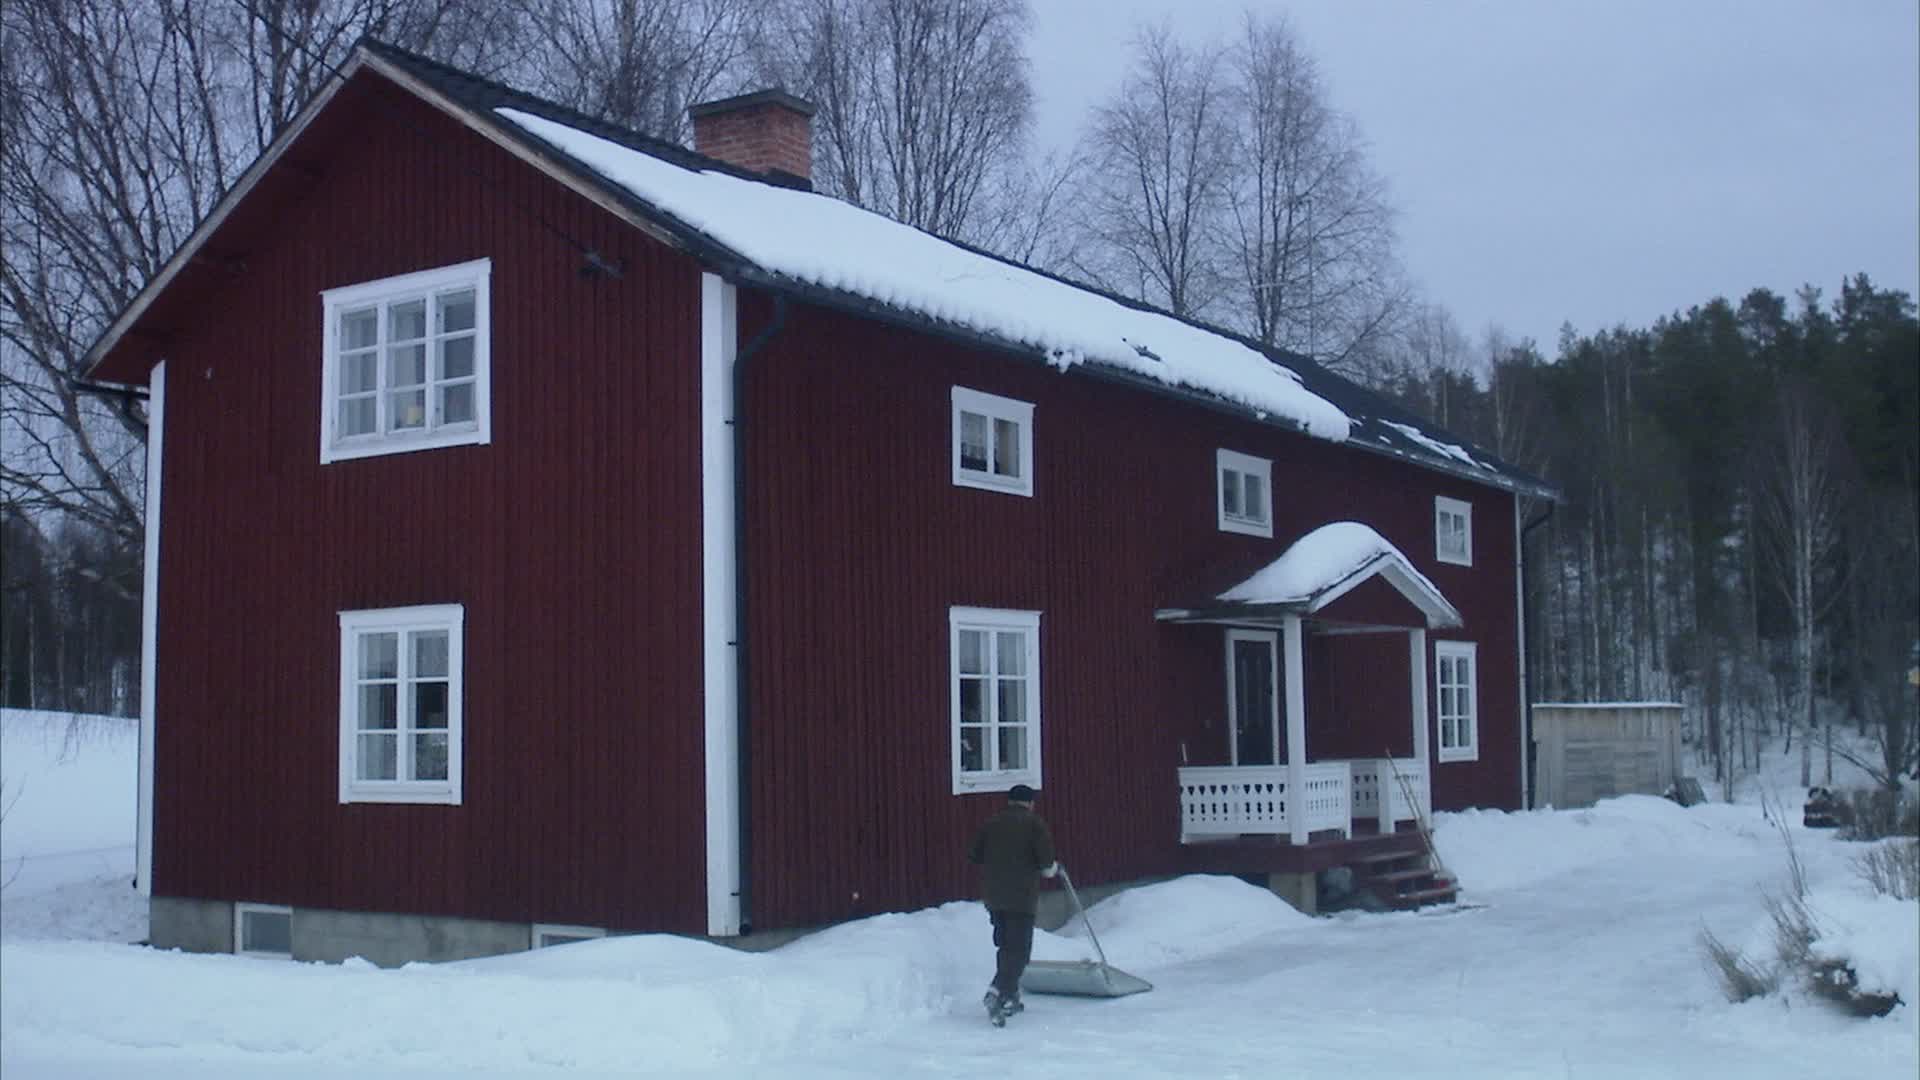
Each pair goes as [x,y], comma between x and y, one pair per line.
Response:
[1161,147]
[1309,228]
[924,105]
[638,63]
[122,123]
[1797,501]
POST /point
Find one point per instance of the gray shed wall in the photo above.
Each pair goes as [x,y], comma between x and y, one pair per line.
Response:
[1585,753]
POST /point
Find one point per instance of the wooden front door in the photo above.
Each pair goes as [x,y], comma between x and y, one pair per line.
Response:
[1253,699]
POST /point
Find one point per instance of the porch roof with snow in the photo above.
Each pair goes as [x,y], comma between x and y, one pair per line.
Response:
[821,250]
[1316,570]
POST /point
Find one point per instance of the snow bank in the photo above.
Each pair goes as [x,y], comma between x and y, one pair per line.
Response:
[1877,936]
[68,782]
[1491,850]
[1175,921]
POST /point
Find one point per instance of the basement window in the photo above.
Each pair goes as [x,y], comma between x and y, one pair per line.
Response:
[547,935]
[263,930]
[401,691]
[407,363]
[992,442]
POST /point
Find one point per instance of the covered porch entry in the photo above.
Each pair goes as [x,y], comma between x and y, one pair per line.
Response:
[1298,631]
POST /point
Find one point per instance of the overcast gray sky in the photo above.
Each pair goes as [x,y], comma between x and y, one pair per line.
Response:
[1592,162]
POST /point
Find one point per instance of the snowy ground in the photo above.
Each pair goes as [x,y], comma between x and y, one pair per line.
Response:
[1575,954]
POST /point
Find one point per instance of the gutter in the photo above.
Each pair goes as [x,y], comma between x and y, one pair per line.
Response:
[1526,669]
[742,706]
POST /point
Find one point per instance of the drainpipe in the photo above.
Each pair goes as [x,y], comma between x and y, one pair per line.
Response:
[1526,669]
[742,706]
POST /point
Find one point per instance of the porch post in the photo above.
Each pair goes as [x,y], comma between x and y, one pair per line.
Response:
[1417,662]
[1296,730]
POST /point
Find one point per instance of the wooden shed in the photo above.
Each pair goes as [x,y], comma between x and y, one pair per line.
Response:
[1588,752]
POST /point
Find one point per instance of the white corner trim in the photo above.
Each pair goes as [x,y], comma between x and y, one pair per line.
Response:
[150,628]
[720,653]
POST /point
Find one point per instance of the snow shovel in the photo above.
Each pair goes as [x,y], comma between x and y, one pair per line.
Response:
[1081,978]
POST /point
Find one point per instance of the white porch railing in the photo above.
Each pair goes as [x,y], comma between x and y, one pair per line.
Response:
[1228,800]
[1375,777]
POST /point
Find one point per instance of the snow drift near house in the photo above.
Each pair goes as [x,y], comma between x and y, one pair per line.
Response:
[1582,962]
[838,246]
[67,791]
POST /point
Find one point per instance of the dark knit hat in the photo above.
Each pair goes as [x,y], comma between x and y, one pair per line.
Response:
[1020,793]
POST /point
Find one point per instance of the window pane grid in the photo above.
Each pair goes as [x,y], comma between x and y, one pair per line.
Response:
[399,372]
[993,687]
[404,692]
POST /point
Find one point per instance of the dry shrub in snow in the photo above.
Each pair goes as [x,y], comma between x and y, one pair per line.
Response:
[1796,937]
[1892,869]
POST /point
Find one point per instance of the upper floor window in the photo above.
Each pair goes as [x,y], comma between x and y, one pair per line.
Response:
[995,684]
[401,689]
[1458,714]
[1245,493]
[1453,531]
[992,442]
[407,363]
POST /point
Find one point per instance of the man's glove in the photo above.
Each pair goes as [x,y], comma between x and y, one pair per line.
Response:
[1052,869]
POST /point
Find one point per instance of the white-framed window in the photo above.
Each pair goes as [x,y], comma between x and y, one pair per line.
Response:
[263,930]
[547,935]
[1452,531]
[995,685]
[400,704]
[1245,493]
[407,363]
[992,442]
[1455,679]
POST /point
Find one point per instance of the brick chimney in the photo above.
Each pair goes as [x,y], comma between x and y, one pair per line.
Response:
[769,131]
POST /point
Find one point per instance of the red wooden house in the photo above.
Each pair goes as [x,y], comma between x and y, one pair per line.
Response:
[555,531]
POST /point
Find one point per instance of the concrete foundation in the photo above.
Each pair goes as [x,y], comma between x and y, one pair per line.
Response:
[392,940]
[1302,890]
[176,922]
[332,936]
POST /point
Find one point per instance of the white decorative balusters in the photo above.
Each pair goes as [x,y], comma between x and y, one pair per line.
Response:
[1225,800]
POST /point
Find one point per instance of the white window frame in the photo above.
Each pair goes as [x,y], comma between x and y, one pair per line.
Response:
[1244,467]
[996,409]
[1457,715]
[450,618]
[1445,510]
[571,933]
[240,913]
[383,295]
[994,621]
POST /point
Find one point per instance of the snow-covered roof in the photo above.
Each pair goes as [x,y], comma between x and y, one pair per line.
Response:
[1321,567]
[835,245]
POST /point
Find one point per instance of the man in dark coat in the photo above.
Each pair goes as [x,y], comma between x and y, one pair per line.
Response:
[1014,850]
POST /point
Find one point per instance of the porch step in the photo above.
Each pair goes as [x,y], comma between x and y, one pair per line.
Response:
[1419,898]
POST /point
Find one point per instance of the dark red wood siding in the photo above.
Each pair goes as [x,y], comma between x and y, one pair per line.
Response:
[859,543]
[573,541]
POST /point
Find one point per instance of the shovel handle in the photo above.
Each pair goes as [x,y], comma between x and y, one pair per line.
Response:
[1075,897]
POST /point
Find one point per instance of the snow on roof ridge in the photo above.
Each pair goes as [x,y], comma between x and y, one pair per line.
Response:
[1312,564]
[822,241]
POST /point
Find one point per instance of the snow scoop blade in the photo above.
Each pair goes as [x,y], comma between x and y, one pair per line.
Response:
[1080,978]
